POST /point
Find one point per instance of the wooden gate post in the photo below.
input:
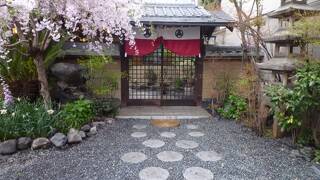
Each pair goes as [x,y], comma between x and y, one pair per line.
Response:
[124,76]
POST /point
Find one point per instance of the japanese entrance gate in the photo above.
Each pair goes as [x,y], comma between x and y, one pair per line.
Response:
[162,78]
[155,75]
[165,65]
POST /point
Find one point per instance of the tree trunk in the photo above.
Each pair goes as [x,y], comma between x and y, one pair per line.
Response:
[42,77]
[242,28]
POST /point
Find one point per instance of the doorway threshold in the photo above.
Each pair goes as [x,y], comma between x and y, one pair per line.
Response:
[163,112]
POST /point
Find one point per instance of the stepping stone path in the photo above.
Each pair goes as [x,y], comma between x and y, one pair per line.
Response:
[154,173]
[134,157]
[139,134]
[168,134]
[192,126]
[171,156]
[209,156]
[153,143]
[139,126]
[196,134]
[186,144]
[197,173]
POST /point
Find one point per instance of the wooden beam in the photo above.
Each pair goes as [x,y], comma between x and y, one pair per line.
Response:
[124,76]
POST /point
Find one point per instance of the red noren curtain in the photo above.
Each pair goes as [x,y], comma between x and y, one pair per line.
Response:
[144,47]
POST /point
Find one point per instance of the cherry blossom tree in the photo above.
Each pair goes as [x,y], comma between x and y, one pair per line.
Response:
[36,24]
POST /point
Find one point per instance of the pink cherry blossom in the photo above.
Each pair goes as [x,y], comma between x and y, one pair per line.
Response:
[61,18]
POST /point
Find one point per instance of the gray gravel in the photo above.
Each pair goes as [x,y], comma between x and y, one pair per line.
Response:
[245,156]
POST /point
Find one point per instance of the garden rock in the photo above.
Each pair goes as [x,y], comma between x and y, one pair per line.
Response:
[59,140]
[52,132]
[83,134]
[8,147]
[93,131]
[62,85]
[307,153]
[110,120]
[24,143]
[86,128]
[295,154]
[68,73]
[98,124]
[40,143]
[74,136]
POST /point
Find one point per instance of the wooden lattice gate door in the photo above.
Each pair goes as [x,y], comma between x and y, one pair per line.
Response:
[162,78]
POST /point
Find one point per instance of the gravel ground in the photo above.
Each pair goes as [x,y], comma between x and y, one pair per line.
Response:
[244,155]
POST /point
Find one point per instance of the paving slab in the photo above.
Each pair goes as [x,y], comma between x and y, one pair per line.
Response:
[163,112]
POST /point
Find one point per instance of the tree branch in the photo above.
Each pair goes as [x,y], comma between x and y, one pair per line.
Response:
[35,42]
[15,44]
[46,41]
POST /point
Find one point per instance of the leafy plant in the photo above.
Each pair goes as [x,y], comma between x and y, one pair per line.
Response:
[100,81]
[19,66]
[224,86]
[301,104]
[179,84]
[75,114]
[106,107]
[151,76]
[233,108]
[308,28]
[285,106]
[305,137]
[317,156]
[26,118]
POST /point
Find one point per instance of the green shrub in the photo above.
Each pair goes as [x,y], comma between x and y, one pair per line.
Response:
[233,108]
[100,82]
[301,104]
[106,107]
[25,118]
[305,137]
[75,115]
[317,156]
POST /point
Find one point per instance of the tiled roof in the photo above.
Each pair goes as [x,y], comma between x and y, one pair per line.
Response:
[183,14]
[167,10]
[315,3]
[292,7]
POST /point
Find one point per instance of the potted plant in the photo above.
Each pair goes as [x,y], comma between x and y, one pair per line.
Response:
[151,77]
[179,85]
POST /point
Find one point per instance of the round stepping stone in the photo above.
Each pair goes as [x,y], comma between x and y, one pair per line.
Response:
[196,134]
[197,173]
[209,156]
[153,143]
[170,156]
[191,126]
[139,126]
[168,134]
[186,144]
[154,173]
[133,157]
[139,134]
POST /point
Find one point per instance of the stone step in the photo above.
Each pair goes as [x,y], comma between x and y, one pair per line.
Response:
[163,112]
[182,117]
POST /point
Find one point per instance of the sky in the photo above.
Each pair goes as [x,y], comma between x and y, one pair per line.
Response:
[268,5]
